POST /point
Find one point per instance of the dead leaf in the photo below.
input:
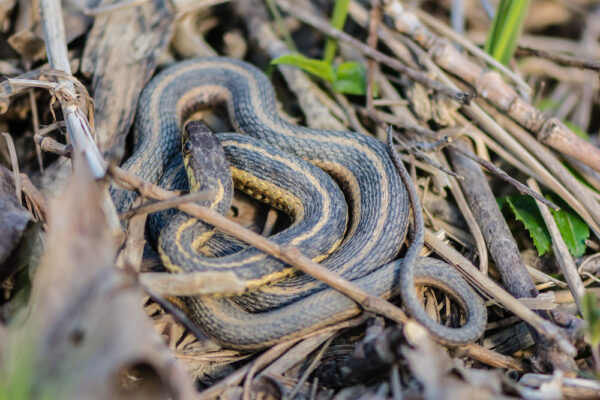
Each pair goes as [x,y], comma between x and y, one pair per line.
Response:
[28,45]
[432,366]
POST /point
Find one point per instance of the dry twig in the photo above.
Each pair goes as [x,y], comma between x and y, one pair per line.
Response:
[490,86]
[78,126]
[560,58]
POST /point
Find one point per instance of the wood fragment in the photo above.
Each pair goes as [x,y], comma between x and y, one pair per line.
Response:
[130,258]
[34,197]
[498,237]
[576,388]
[374,22]
[505,177]
[14,162]
[193,283]
[168,203]
[35,120]
[129,41]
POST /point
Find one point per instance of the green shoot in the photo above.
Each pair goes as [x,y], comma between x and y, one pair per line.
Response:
[506,28]
[338,19]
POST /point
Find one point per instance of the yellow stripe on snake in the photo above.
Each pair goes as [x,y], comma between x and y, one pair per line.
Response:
[267,162]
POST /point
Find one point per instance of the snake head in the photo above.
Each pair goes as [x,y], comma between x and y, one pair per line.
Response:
[204,159]
[197,136]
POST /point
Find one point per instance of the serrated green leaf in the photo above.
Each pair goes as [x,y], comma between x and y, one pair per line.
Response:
[526,211]
[320,68]
[350,78]
[591,313]
[572,228]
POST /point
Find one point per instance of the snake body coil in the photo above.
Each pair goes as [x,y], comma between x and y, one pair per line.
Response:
[314,202]
[377,199]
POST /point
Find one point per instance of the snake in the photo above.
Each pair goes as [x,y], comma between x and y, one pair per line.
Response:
[281,304]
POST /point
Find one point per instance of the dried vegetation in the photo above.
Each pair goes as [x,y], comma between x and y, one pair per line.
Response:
[85,315]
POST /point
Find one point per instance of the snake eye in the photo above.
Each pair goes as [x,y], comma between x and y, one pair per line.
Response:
[187,146]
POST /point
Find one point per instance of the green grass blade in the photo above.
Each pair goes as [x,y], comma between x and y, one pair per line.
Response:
[338,19]
[506,28]
[495,30]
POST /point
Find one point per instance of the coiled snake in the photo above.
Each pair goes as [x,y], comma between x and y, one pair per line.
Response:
[377,208]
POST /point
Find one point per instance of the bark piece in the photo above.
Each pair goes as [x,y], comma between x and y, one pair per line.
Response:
[121,54]
[498,237]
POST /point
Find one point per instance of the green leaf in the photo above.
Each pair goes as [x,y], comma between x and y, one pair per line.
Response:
[526,211]
[506,29]
[547,104]
[350,78]
[338,19]
[320,68]
[577,130]
[591,313]
[570,225]
[572,228]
